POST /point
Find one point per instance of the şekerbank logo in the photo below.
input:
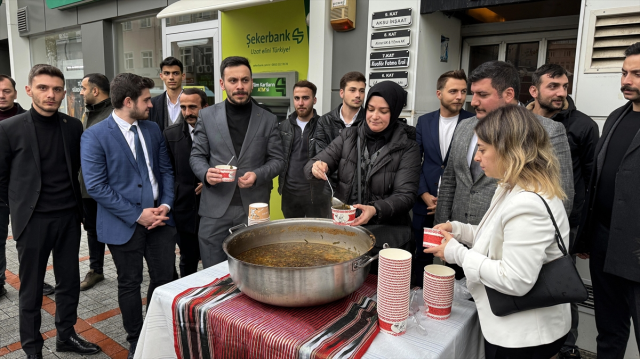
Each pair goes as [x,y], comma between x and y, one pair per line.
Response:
[297,35]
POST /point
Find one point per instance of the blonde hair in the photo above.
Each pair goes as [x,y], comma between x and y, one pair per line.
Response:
[525,154]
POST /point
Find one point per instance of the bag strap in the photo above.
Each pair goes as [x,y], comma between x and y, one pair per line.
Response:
[359,174]
[559,241]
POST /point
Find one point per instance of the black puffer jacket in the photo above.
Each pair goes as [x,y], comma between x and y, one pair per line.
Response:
[583,135]
[286,134]
[329,127]
[393,180]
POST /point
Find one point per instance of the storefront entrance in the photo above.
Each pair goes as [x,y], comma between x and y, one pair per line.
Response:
[198,49]
[526,52]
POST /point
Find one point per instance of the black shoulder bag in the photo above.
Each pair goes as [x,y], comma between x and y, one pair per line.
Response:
[558,283]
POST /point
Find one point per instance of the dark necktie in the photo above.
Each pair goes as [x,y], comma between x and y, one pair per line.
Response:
[147,190]
[476,170]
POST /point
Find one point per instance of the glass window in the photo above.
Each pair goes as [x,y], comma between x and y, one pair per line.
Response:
[126,26]
[64,51]
[146,22]
[563,53]
[146,44]
[197,57]
[524,56]
[189,19]
[147,59]
[128,60]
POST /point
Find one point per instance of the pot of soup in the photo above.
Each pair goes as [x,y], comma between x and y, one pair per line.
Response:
[298,262]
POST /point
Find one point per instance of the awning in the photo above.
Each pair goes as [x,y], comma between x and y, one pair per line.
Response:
[187,7]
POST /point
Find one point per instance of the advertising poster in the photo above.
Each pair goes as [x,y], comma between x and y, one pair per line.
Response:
[275,38]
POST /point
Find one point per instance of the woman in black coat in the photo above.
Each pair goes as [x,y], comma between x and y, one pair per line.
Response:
[389,158]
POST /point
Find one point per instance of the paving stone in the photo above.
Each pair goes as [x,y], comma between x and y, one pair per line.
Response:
[93,302]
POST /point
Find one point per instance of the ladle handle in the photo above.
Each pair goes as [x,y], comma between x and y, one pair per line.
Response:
[363,262]
[236,227]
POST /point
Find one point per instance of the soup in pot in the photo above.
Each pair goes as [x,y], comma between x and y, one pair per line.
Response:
[297,254]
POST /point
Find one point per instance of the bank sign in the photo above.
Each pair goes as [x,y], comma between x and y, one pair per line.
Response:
[63,4]
[270,87]
[280,38]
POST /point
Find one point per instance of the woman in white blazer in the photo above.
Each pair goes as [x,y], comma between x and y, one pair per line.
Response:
[515,237]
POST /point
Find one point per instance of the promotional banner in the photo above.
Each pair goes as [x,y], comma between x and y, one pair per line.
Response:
[275,38]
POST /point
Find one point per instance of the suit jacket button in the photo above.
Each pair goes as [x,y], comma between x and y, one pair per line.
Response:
[138,203]
[140,185]
[38,192]
[442,166]
[31,207]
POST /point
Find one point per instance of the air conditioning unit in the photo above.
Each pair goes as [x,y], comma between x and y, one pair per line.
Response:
[208,69]
[189,68]
[200,69]
[343,15]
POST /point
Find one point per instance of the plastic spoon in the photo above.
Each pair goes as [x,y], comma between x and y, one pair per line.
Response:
[231,159]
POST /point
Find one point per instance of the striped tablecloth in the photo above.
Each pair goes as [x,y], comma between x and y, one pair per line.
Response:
[457,337]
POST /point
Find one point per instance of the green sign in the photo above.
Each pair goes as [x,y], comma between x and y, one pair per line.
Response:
[270,87]
[63,4]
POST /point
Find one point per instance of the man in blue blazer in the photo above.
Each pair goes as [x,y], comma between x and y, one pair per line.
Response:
[127,170]
[434,132]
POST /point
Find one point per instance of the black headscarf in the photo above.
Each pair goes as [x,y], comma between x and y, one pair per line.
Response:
[396,98]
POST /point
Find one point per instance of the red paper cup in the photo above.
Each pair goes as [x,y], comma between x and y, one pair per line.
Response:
[228,172]
[438,271]
[438,313]
[394,328]
[432,237]
[343,217]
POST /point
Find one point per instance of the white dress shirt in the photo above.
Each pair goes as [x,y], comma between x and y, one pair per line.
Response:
[191,129]
[130,138]
[174,109]
[352,120]
[472,149]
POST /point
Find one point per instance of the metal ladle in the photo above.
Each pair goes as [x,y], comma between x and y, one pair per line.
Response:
[334,200]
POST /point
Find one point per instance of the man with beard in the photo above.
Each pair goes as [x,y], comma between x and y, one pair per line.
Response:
[608,232]
[243,134]
[187,186]
[39,164]
[465,192]
[300,198]
[166,107]
[95,92]
[127,171]
[550,100]
[434,132]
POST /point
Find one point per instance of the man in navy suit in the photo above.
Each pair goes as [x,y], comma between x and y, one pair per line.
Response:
[434,132]
[127,170]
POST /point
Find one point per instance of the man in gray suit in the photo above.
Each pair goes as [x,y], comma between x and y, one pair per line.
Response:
[241,129]
[465,192]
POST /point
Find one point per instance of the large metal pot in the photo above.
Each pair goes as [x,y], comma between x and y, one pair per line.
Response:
[299,287]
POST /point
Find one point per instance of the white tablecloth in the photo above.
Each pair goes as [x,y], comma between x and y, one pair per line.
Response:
[457,337]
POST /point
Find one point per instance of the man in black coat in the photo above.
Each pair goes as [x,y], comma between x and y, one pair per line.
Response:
[8,109]
[608,233]
[95,92]
[550,84]
[300,198]
[166,107]
[39,164]
[187,187]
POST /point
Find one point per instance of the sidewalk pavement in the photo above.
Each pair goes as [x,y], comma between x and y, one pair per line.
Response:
[99,318]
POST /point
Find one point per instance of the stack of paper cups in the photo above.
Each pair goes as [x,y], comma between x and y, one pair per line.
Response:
[258,213]
[394,281]
[438,291]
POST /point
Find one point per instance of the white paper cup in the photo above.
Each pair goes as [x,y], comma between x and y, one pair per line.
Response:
[228,172]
